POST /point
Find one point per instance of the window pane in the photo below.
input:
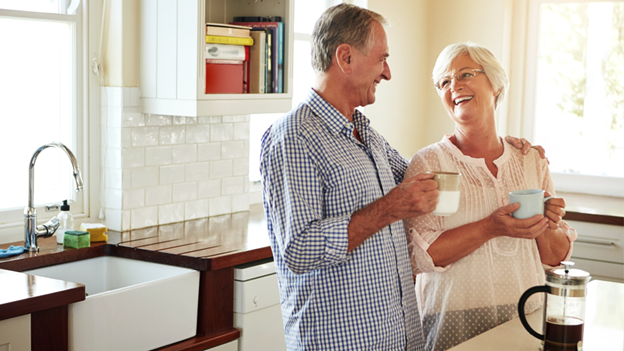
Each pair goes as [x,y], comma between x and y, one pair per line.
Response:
[36,102]
[49,6]
[579,116]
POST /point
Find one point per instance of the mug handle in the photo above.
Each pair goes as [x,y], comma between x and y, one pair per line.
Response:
[521,303]
[548,198]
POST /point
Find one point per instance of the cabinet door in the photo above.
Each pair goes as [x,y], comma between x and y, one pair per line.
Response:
[599,250]
[15,334]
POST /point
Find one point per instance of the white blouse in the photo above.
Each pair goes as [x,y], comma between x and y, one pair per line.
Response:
[481,290]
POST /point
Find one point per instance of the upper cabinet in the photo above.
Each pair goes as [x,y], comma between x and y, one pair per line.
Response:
[172,63]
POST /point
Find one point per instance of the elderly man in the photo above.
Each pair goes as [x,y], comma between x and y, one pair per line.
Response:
[334,195]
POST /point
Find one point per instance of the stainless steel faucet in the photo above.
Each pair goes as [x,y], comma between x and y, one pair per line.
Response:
[31,230]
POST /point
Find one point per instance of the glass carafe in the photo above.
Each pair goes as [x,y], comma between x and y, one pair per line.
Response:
[564,308]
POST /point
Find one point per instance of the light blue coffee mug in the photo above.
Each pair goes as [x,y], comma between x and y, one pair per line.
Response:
[531,202]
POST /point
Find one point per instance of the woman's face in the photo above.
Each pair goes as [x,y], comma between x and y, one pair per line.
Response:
[468,99]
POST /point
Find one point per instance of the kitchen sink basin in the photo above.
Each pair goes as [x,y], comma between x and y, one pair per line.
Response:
[130,304]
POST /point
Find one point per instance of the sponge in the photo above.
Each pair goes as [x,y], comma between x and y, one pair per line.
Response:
[96,230]
[76,239]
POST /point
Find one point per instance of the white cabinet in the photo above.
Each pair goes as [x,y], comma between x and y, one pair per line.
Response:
[599,250]
[172,65]
[15,334]
[230,346]
[257,309]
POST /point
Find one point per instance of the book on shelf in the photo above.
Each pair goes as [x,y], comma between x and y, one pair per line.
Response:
[258,19]
[227,30]
[219,39]
[277,47]
[225,76]
[225,52]
[257,62]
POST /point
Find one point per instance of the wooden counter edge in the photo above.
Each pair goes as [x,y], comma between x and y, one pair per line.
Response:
[43,302]
[200,343]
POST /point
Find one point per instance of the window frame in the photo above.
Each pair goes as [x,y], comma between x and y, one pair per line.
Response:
[566,182]
[12,219]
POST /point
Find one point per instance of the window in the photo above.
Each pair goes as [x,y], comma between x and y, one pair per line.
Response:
[306,14]
[578,93]
[40,102]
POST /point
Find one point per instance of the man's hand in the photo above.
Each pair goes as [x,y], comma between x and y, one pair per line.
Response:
[415,196]
[525,146]
[501,223]
[554,209]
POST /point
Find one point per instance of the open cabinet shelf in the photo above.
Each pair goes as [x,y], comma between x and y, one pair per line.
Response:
[172,64]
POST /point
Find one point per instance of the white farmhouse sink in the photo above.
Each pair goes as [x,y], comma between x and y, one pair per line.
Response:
[130,305]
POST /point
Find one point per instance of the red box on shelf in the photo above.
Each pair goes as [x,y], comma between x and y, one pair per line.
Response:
[224,77]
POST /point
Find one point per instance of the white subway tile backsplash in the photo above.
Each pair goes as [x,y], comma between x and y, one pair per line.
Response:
[133,198]
[144,217]
[209,188]
[172,135]
[220,169]
[178,120]
[199,133]
[232,149]
[220,205]
[146,136]
[197,171]
[240,167]
[131,158]
[126,137]
[195,209]
[172,174]
[184,153]
[210,120]
[158,195]
[208,152]
[131,119]
[184,192]
[114,96]
[158,156]
[221,132]
[126,96]
[156,120]
[241,131]
[142,177]
[234,118]
[231,186]
[167,169]
[240,202]
[171,213]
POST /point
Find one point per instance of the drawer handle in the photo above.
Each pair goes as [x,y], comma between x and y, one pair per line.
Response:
[592,242]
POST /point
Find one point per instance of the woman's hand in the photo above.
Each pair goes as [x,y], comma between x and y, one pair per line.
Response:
[501,223]
[525,146]
[554,210]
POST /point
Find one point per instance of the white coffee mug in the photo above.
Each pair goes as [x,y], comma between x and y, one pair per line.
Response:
[449,184]
[531,202]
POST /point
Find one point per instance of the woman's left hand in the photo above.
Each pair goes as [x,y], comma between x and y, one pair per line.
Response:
[554,210]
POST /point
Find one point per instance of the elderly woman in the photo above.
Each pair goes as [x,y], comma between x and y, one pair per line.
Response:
[473,266]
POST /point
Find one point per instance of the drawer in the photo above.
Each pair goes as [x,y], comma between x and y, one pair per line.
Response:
[255,294]
[599,242]
[262,330]
[601,270]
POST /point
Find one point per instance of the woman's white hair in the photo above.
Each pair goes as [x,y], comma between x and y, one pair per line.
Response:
[479,54]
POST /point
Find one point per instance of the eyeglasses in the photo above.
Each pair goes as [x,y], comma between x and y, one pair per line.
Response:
[466,74]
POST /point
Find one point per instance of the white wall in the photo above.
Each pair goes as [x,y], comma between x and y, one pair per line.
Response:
[408,111]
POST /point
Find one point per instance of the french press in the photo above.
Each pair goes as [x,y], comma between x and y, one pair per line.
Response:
[564,308]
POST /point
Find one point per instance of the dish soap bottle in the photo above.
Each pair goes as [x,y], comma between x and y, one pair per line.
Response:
[66,222]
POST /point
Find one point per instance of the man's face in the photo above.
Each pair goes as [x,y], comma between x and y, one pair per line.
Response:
[370,69]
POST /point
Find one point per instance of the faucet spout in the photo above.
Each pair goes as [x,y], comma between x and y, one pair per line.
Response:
[31,230]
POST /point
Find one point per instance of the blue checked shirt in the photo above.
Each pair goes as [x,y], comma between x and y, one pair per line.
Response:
[315,175]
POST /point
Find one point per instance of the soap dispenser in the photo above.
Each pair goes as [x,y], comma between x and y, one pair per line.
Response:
[66,222]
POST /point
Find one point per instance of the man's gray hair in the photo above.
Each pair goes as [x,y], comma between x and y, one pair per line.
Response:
[479,54]
[342,24]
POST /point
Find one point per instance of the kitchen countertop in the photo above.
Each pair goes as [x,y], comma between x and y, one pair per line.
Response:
[213,246]
[595,209]
[604,325]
